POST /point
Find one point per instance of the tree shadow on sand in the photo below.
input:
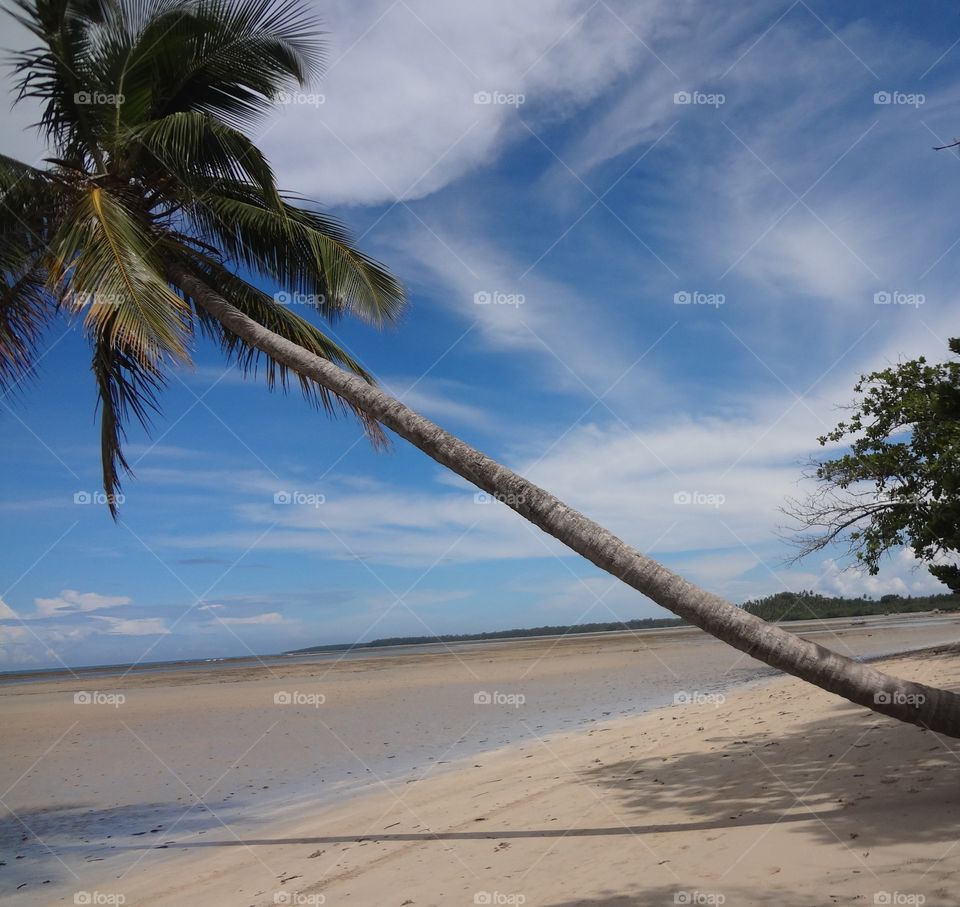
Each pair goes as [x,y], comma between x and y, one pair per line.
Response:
[704,896]
[844,775]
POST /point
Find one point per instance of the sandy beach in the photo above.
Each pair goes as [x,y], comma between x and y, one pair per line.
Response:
[631,769]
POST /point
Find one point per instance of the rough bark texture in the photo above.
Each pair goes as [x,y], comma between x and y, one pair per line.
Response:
[929,707]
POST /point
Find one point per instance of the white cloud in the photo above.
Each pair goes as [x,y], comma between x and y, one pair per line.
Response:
[552,324]
[272,617]
[399,119]
[140,626]
[902,574]
[70,602]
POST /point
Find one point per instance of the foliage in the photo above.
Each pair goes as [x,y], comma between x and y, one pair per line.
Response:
[810,605]
[146,107]
[899,483]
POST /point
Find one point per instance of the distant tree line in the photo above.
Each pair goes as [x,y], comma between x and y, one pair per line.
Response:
[808,605]
[646,623]
[778,607]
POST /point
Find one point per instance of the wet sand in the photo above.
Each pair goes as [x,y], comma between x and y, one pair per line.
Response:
[185,761]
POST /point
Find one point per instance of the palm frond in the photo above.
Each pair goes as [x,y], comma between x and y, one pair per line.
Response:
[125,387]
[277,317]
[226,58]
[106,265]
[146,105]
[192,146]
[308,253]
[56,72]
[25,310]
[27,202]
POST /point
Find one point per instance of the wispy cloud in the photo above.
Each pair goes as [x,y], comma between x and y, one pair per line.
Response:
[69,601]
[139,626]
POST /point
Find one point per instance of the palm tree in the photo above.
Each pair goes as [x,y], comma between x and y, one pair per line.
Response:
[154,200]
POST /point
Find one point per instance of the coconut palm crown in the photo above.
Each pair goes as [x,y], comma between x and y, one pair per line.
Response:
[146,106]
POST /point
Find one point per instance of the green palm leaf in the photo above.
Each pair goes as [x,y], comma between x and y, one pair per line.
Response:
[146,105]
[304,251]
[104,263]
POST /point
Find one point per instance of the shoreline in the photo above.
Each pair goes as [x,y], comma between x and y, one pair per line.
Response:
[709,798]
[217,668]
[199,761]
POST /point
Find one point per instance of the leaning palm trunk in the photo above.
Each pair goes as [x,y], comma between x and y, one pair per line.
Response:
[929,707]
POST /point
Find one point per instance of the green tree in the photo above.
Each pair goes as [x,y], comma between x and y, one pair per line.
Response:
[154,199]
[899,483]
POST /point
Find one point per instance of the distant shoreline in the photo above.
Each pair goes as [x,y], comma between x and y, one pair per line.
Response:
[369,651]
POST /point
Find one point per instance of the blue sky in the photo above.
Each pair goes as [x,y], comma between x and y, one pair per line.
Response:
[589,167]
